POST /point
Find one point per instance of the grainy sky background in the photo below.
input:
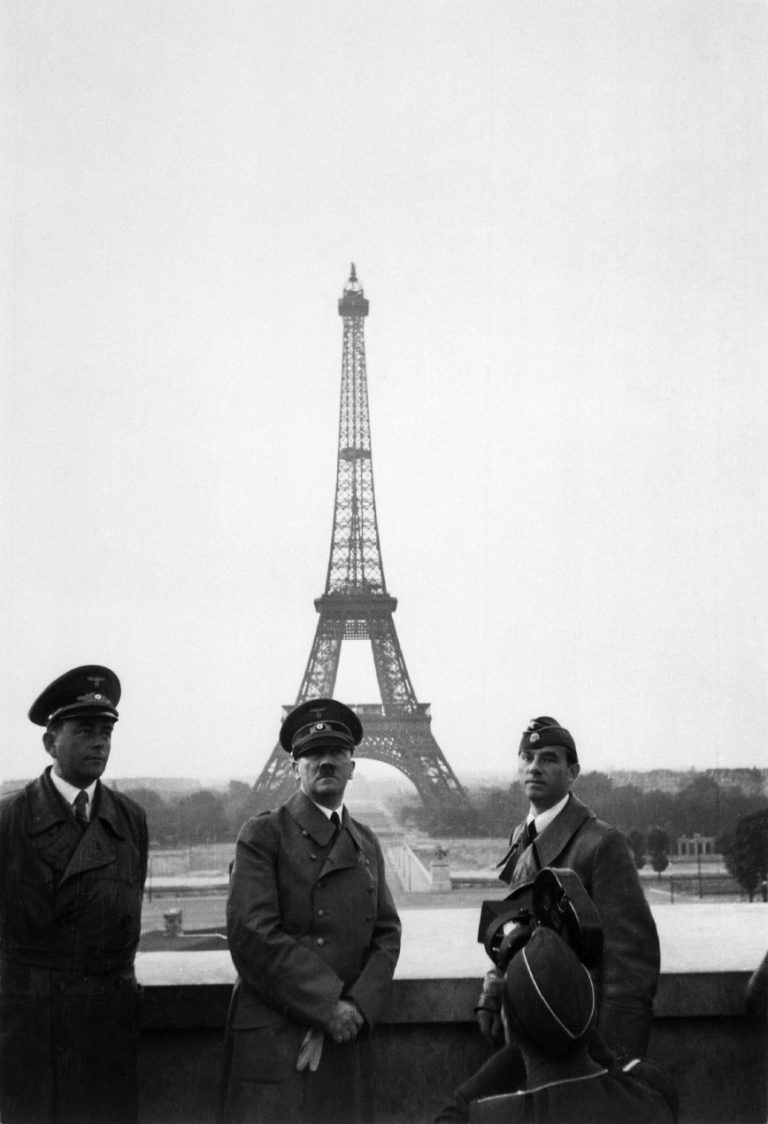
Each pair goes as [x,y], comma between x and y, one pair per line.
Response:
[558,212]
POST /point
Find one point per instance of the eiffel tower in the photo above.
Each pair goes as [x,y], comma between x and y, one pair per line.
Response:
[357,606]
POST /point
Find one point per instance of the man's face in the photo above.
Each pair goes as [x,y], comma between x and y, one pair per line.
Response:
[324,774]
[80,748]
[545,775]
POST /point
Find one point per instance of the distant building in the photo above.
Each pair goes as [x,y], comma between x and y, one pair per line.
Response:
[163,786]
[695,846]
[655,780]
[752,782]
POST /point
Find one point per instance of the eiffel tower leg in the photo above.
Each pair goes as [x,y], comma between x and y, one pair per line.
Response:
[406,741]
[394,683]
[277,782]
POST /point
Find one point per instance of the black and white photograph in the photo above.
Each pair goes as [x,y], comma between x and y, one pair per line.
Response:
[383,554]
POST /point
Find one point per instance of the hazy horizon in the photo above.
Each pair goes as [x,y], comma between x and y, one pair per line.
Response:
[382,774]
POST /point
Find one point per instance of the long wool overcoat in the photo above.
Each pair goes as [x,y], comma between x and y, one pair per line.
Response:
[310,920]
[627,978]
[70,920]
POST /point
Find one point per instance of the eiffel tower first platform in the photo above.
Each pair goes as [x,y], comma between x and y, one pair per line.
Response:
[357,606]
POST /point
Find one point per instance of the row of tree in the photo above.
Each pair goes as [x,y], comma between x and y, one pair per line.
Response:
[203,816]
[651,821]
[703,807]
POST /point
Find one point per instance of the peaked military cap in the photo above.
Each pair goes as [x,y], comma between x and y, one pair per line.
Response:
[544,731]
[549,993]
[317,723]
[91,690]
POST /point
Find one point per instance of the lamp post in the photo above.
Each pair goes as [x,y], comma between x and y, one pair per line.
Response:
[697,840]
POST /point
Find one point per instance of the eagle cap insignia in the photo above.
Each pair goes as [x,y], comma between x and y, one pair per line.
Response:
[534,737]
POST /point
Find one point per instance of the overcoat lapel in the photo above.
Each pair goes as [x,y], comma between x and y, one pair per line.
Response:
[524,864]
[508,864]
[345,852]
[557,835]
[92,852]
[310,819]
[96,847]
[70,851]
[46,810]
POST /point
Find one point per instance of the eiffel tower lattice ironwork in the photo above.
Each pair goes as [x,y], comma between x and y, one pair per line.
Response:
[357,606]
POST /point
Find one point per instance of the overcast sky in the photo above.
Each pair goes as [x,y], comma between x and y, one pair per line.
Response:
[558,212]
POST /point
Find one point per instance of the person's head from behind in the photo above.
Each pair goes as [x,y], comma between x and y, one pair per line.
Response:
[549,998]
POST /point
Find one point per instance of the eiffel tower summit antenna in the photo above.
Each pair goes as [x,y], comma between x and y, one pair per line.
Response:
[357,606]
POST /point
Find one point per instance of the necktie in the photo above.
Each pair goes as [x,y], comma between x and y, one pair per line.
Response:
[80,805]
[530,834]
[336,823]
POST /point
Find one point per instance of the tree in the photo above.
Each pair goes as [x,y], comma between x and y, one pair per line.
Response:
[159,815]
[657,842]
[697,807]
[200,818]
[636,841]
[745,850]
[596,790]
[238,806]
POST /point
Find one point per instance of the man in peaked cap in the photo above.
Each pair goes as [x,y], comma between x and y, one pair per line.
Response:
[314,935]
[73,859]
[549,1006]
[559,831]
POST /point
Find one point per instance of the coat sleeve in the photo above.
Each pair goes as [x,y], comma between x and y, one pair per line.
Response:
[630,964]
[284,972]
[370,988]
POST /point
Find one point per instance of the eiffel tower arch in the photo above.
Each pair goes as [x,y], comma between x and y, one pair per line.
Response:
[357,606]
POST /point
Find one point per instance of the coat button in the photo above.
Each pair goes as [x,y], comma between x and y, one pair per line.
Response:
[322,912]
[320,941]
[305,834]
[312,855]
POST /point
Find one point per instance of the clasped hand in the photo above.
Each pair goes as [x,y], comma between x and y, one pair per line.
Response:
[345,1022]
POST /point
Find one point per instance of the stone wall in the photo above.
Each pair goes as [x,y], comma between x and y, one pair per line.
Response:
[427,1044]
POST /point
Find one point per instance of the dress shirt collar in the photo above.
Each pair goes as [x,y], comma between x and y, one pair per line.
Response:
[70,791]
[545,818]
[328,812]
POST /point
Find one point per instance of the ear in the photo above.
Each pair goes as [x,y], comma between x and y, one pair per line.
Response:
[574,770]
[351,769]
[49,741]
[295,766]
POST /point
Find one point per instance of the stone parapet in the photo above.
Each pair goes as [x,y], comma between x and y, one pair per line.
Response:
[427,1042]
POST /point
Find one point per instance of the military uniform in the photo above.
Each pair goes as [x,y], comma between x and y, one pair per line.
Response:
[639,1093]
[70,916]
[310,921]
[627,978]
[550,1005]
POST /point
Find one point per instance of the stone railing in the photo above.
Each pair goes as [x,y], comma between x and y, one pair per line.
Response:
[427,1041]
